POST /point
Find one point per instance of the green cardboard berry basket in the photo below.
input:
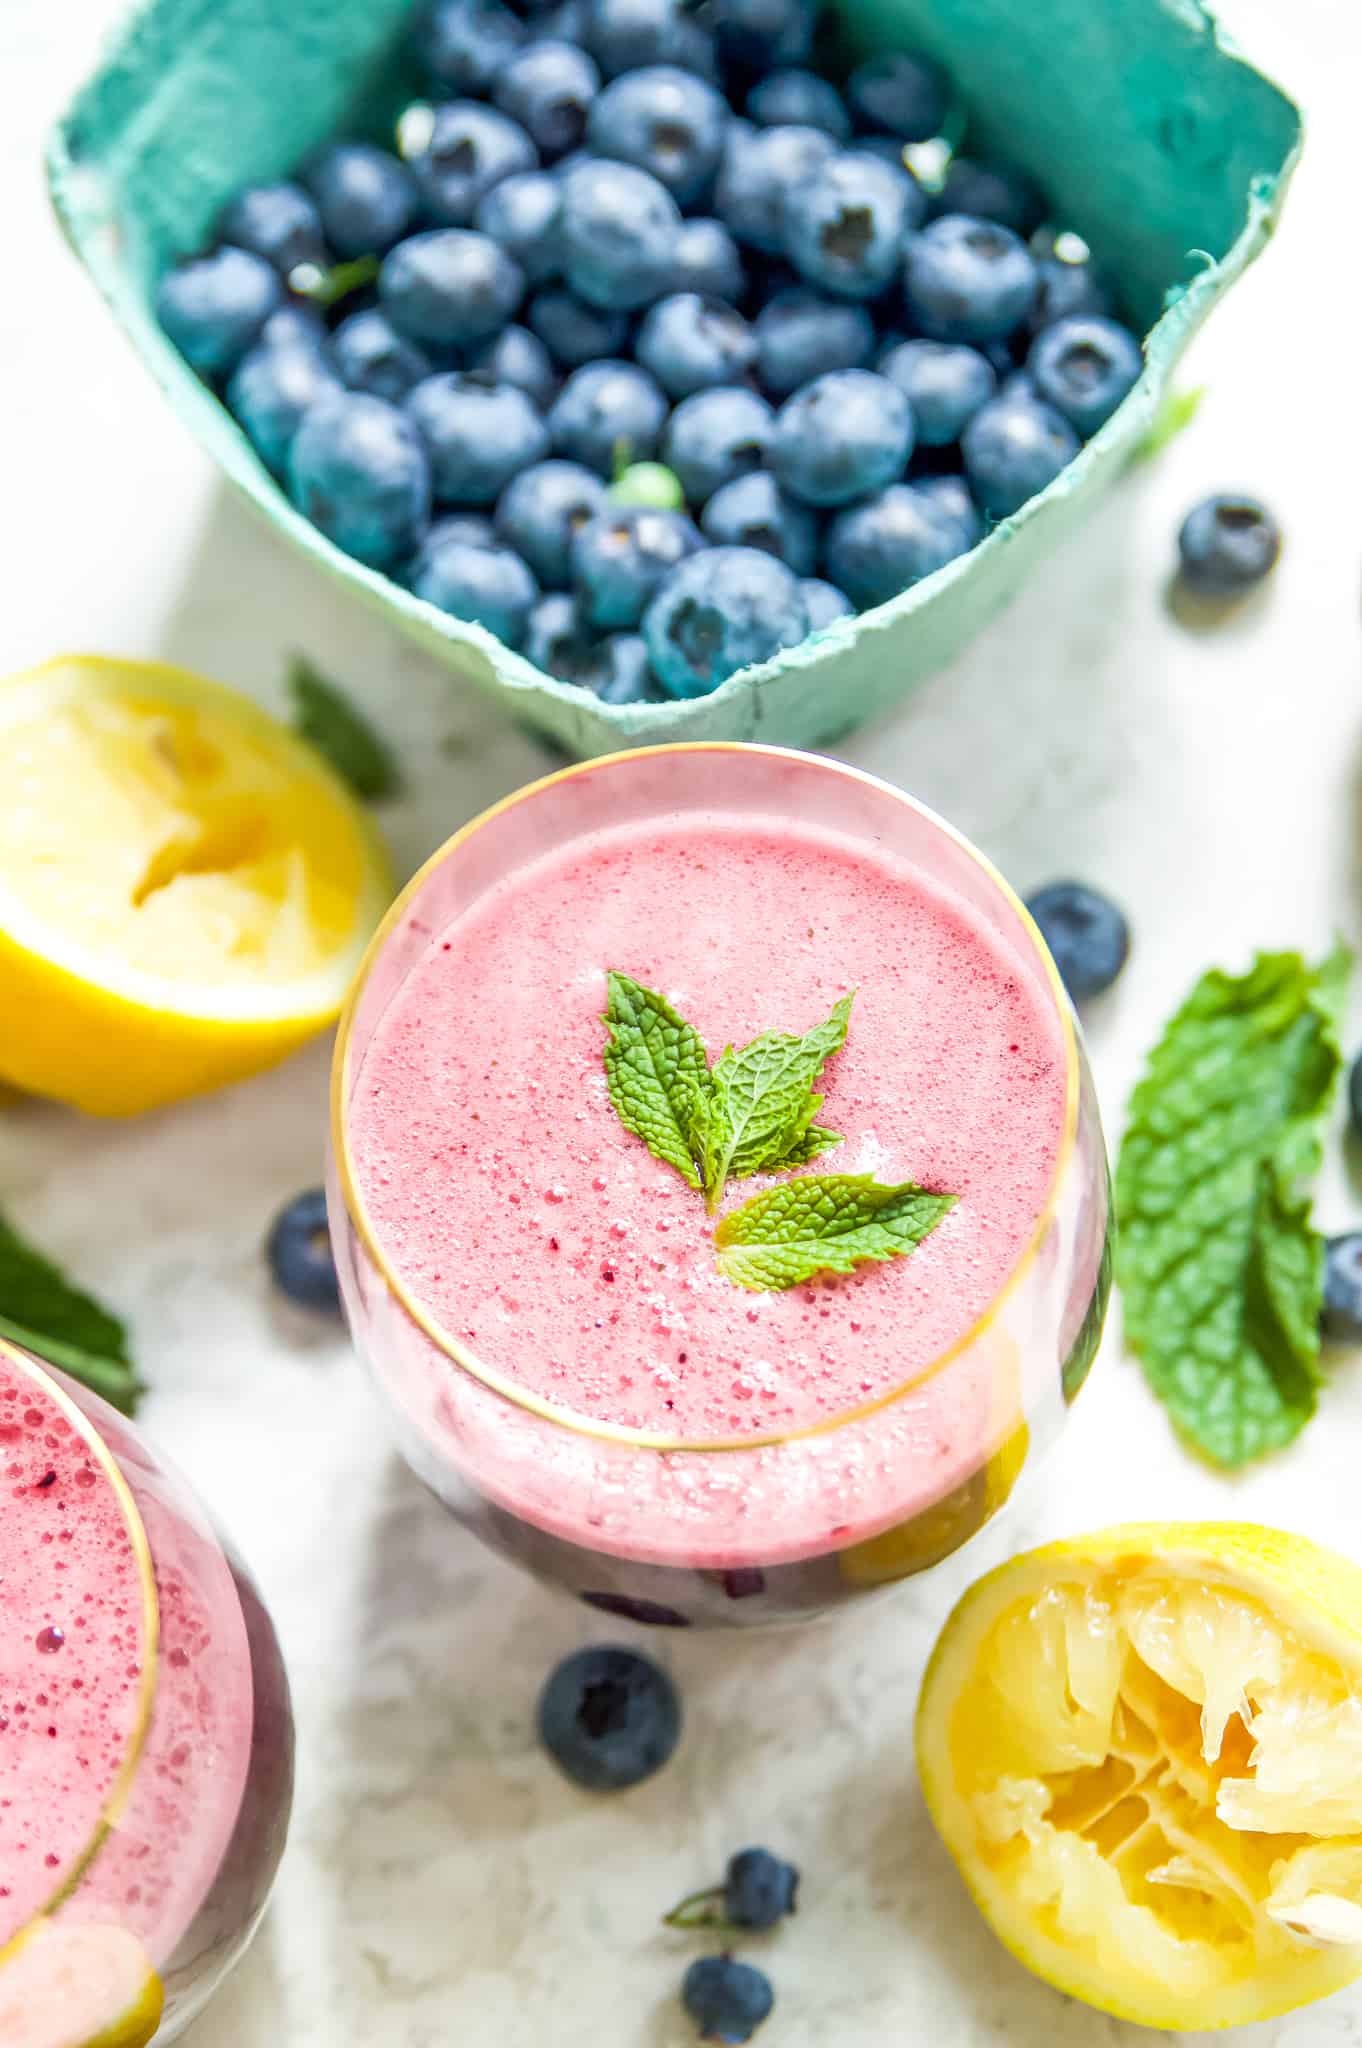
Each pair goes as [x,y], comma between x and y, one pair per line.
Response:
[1156,139]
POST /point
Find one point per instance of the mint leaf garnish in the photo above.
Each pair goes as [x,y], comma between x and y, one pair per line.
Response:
[823,1223]
[764,1104]
[1221,1269]
[43,1311]
[333,726]
[658,1072]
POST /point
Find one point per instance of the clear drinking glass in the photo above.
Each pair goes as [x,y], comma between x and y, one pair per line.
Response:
[757,1528]
[109,1568]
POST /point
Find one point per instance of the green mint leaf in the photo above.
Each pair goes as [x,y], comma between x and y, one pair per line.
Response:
[823,1223]
[1221,1270]
[1177,410]
[814,1142]
[43,1311]
[658,1073]
[326,288]
[764,1104]
[333,726]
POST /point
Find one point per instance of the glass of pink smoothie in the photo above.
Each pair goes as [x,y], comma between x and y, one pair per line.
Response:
[146,1740]
[537,1295]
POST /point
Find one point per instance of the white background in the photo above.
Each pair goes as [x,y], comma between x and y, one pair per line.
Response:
[442,1885]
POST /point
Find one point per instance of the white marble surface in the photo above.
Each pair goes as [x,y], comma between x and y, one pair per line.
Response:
[442,1884]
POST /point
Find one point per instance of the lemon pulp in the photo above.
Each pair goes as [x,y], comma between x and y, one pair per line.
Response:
[78,1987]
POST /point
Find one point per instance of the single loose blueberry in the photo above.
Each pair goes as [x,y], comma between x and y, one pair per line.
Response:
[726,1999]
[992,191]
[609,1718]
[967,280]
[759,1888]
[1227,543]
[622,557]
[889,542]
[213,307]
[715,436]
[705,259]
[756,36]
[1014,447]
[693,344]
[543,509]
[607,416]
[490,587]
[278,222]
[358,470]
[901,94]
[753,512]
[471,149]
[573,332]
[1083,367]
[824,602]
[449,287]
[271,390]
[841,437]
[845,225]
[720,611]
[666,121]
[760,168]
[549,88]
[625,35]
[515,356]
[1086,933]
[372,356]
[298,1249]
[617,232]
[521,213]
[466,43]
[801,335]
[1065,288]
[1341,1318]
[944,382]
[799,99]
[478,435]
[366,198]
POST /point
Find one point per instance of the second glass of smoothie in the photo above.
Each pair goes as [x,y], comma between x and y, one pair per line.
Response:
[538,1295]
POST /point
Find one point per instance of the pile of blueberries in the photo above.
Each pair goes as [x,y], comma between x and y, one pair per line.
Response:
[660,357]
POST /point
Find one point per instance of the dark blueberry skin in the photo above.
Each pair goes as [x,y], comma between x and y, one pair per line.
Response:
[944,382]
[1086,933]
[706,260]
[213,307]
[450,288]
[471,149]
[278,222]
[624,35]
[359,471]
[622,558]
[757,36]
[489,587]
[1227,544]
[1014,447]
[573,332]
[372,356]
[666,121]
[715,436]
[824,602]
[1063,289]
[992,191]
[759,1889]
[628,675]
[889,542]
[366,198]
[608,415]
[549,89]
[515,356]
[1084,367]
[478,435]
[565,23]
[967,280]
[753,512]
[299,1252]
[1355,1095]
[759,170]
[798,99]
[617,231]
[899,94]
[845,226]
[543,509]
[466,43]
[271,390]
[1341,1319]
[614,667]
[721,611]
[726,1999]
[521,213]
[801,335]
[694,344]
[609,1718]
[843,436]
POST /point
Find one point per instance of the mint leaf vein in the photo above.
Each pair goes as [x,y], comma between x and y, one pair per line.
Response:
[823,1223]
[764,1105]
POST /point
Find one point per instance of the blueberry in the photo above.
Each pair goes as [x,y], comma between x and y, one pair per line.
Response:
[357,469]
[213,307]
[521,212]
[617,232]
[715,436]
[693,344]
[753,512]
[490,587]
[478,435]
[666,121]
[294,325]
[549,89]
[824,602]
[756,36]
[573,332]
[1083,367]
[466,43]
[719,612]
[1064,288]
[613,666]
[565,23]
[889,542]
[450,287]
[968,280]
[760,168]
[900,94]
[278,222]
[1014,447]
[944,382]
[706,260]
[473,527]
[1227,543]
[799,99]
[471,149]
[515,356]
[625,35]
[1341,1319]
[953,494]
[270,391]
[992,191]
[1086,933]
[842,436]
[540,512]
[609,1718]
[727,2000]
[372,356]
[608,415]
[801,335]
[299,1252]
[366,198]
[845,225]
[623,557]
[759,1889]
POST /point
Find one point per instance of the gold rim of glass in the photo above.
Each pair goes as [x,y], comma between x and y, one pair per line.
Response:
[501,1383]
[32,1369]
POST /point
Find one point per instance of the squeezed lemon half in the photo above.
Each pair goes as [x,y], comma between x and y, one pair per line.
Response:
[1143,1748]
[186,888]
[78,1987]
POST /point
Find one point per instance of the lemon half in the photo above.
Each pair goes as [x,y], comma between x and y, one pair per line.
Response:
[1143,1748]
[78,1987]
[186,888]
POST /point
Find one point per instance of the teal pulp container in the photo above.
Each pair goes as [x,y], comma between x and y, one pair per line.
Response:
[1156,139]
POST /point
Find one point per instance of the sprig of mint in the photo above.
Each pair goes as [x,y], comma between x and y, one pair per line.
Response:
[762,1104]
[42,1310]
[823,1223]
[1221,1268]
[330,723]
